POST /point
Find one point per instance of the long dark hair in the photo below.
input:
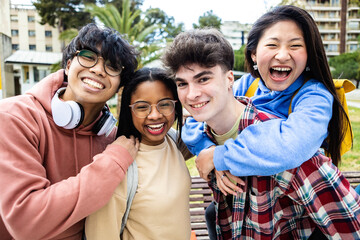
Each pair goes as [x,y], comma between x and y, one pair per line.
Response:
[317,62]
[126,126]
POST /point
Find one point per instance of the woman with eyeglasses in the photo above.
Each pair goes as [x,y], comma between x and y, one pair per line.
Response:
[59,161]
[160,206]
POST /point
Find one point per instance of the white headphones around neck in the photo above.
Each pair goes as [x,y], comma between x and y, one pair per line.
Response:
[70,114]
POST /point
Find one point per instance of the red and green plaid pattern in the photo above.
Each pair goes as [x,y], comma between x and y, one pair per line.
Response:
[288,205]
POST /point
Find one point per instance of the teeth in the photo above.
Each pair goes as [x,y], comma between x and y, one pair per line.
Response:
[199,105]
[93,83]
[156,125]
[280,69]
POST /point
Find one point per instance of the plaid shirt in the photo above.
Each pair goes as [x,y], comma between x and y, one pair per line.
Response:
[288,205]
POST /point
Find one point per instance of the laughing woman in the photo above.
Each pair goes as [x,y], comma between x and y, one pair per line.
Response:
[160,206]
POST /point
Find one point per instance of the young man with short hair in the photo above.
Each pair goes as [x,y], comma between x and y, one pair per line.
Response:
[59,161]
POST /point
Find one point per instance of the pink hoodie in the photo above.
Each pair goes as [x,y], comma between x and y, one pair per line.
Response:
[52,178]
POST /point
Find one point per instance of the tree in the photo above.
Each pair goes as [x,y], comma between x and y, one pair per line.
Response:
[208,19]
[346,65]
[239,64]
[136,33]
[63,14]
[168,29]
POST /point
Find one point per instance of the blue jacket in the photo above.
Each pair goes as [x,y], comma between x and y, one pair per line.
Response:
[273,146]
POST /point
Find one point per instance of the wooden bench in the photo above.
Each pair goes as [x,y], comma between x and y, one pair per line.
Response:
[201,197]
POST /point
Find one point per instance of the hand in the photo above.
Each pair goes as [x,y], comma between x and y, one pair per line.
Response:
[130,144]
[226,182]
[204,162]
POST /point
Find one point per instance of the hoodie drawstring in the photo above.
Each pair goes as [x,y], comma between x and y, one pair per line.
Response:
[75,152]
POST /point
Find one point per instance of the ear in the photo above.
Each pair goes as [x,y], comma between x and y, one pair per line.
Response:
[67,67]
[230,78]
[253,57]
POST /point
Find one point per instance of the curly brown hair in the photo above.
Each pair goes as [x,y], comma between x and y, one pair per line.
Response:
[206,47]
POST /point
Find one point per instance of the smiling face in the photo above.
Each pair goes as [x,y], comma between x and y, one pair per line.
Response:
[154,127]
[204,92]
[89,85]
[281,55]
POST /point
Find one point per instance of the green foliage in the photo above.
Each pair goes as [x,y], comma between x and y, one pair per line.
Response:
[208,19]
[239,64]
[167,30]
[135,4]
[345,65]
[351,160]
[136,33]
[64,14]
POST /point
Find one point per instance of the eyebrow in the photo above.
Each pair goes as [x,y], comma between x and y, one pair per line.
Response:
[200,74]
[143,101]
[293,39]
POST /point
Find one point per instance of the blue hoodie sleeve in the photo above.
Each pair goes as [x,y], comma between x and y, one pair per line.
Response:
[194,137]
[280,144]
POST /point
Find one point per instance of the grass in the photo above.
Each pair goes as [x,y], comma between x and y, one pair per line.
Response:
[350,160]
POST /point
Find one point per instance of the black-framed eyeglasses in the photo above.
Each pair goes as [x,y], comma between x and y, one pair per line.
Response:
[88,59]
[143,109]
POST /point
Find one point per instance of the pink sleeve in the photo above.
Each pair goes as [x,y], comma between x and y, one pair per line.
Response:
[34,208]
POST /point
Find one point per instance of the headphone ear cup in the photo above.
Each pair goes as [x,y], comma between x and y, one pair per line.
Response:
[77,115]
[105,124]
[66,114]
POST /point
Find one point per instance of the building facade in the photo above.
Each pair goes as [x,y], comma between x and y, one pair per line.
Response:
[236,33]
[33,48]
[28,34]
[328,17]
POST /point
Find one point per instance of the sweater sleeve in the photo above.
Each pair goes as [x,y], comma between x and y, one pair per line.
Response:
[280,144]
[32,207]
[194,136]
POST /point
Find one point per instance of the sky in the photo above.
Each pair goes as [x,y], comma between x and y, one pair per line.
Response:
[189,11]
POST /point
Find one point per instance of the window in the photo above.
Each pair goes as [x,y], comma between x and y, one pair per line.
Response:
[332,48]
[32,47]
[48,48]
[353,25]
[48,34]
[31,19]
[14,32]
[31,33]
[353,47]
[14,18]
[36,74]
[15,47]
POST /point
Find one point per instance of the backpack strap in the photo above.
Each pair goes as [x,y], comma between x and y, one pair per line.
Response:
[172,133]
[253,86]
[132,183]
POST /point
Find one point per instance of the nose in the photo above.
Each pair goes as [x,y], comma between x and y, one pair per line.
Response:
[99,67]
[193,92]
[283,54]
[154,113]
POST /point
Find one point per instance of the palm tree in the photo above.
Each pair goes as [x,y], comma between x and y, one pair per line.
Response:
[124,23]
